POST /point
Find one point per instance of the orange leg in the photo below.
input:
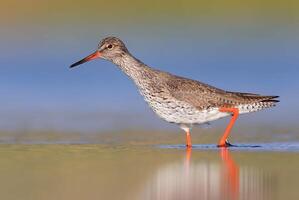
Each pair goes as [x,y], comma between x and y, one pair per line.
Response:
[188,138]
[235,111]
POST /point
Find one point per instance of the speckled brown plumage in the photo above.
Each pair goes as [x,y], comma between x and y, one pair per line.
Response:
[204,96]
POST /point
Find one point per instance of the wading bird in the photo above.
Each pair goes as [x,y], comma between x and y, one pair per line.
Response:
[176,99]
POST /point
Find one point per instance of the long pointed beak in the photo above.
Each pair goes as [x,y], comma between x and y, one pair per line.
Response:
[86,59]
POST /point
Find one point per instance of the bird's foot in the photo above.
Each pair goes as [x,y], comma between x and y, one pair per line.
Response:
[226,144]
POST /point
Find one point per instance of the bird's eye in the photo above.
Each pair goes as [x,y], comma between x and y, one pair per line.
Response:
[110,46]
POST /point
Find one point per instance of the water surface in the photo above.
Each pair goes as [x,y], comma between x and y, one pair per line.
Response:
[99,171]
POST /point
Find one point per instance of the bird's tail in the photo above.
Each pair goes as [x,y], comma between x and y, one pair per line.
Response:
[258,102]
[269,102]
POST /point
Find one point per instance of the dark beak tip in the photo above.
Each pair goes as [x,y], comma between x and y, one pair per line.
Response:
[71,66]
[77,63]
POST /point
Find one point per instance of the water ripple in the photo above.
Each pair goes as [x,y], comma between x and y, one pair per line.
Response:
[276,146]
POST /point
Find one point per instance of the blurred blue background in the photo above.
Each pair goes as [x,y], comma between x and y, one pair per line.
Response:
[247,46]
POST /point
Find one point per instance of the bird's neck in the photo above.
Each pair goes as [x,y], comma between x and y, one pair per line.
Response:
[130,65]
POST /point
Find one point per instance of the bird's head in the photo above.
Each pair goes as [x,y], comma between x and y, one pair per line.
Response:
[109,48]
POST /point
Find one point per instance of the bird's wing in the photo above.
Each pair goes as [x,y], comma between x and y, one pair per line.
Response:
[203,96]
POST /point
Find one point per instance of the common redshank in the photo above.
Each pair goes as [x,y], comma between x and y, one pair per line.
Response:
[180,100]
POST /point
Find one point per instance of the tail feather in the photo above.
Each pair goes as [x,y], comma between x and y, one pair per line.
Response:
[251,97]
[257,103]
[272,99]
[270,102]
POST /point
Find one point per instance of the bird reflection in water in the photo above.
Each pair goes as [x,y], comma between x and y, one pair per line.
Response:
[229,176]
[224,184]
[204,178]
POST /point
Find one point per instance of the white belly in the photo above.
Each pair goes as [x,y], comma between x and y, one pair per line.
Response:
[182,113]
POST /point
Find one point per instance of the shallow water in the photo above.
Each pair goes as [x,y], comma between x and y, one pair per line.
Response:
[263,147]
[98,171]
